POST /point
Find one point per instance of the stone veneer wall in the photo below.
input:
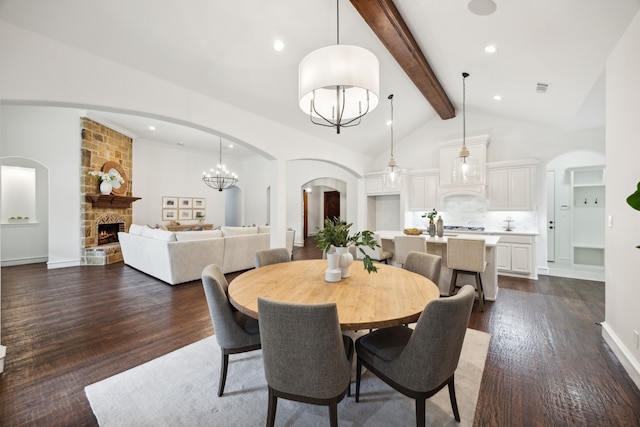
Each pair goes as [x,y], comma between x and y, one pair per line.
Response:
[101,144]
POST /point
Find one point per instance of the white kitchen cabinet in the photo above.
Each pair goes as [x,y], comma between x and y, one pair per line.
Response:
[423,194]
[514,255]
[510,188]
[374,185]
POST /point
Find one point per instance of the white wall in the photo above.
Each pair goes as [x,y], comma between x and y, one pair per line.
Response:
[622,258]
[163,170]
[51,137]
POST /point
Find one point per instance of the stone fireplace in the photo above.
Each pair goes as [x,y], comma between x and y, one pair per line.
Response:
[101,220]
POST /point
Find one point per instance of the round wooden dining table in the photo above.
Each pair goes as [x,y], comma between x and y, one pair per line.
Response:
[392,296]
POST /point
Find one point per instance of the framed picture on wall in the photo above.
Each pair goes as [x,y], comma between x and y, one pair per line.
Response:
[199,214]
[198,203]
[169,202]
[184,203]
[170,214]
[186,214]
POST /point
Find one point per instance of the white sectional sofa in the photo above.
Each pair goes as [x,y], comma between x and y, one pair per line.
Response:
[178,257]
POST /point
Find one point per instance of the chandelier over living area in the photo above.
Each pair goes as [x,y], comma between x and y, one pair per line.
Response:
[220,178]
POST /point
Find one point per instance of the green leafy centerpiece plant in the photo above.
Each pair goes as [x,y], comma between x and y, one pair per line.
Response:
[432,225]
[634,201]
[336,233]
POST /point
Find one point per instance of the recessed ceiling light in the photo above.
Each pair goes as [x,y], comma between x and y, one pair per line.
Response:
[482,7]
[278,45]
[151,127]
[230,145]
[490,49]
[497,97]
[389,122]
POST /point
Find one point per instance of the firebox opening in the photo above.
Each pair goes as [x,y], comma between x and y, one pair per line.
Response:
[108,233]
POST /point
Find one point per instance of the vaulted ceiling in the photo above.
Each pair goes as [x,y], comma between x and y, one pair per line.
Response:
[224,49]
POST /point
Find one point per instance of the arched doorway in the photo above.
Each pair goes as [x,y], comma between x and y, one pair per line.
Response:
[313,210]
[575,231]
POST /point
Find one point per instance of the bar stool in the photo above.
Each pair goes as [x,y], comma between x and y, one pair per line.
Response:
[466,256]
[402,245]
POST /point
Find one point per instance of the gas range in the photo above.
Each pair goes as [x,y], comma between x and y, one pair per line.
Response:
[462,228]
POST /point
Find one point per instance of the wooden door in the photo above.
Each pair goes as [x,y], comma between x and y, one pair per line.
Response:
[305,214]
[331,204]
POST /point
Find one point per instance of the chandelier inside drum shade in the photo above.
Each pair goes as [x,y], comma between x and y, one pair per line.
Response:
[465,166]
[392,177]
[220,178]
[337,85]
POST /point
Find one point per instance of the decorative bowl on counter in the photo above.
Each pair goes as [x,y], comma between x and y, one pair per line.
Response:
[412,231]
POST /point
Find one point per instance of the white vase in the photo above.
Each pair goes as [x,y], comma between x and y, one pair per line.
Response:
[106,187]
[333,273]
[346,259]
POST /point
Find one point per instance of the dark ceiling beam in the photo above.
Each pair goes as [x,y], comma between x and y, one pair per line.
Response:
[387,23]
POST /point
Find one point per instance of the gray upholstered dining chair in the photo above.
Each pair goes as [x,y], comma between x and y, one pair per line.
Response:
[402,245]
[420,362]
[427,265]
[306,357]
[234,331]
[272,256]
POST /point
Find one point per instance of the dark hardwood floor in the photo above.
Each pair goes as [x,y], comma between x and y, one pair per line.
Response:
[67,328]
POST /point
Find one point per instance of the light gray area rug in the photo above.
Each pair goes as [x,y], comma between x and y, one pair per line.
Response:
[180,389]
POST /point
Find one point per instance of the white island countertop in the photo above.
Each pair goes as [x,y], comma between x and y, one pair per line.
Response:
[490,240]
[438,246]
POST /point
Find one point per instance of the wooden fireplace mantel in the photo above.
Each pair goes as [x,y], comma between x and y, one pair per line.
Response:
[111,201]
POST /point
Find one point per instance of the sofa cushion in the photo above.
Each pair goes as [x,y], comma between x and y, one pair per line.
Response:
[238,231]
[264,229]
[136,229]
[158,234]
[183,236]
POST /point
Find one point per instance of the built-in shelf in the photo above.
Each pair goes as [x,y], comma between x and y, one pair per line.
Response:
[111,201]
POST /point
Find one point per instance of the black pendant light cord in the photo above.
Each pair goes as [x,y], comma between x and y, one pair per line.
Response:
[337,21]
[390,97]
[464,99]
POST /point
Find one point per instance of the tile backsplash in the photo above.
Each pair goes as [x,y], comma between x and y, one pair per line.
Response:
[471,211]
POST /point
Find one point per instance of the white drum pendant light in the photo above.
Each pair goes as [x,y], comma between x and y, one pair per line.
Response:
[338,85]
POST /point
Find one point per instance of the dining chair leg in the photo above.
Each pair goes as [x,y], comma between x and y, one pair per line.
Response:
[333,413]
[480,291]
[420,412]
[358,374]
[454,402]
[271,412]
[454,279]
[224,360]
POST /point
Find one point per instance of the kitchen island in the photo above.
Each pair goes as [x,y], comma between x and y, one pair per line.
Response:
[438,246]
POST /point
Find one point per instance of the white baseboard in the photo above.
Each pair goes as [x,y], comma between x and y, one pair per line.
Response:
[63,264]
[22,261]
[630,364]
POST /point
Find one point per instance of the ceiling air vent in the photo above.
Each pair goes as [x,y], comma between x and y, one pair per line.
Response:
[542,87]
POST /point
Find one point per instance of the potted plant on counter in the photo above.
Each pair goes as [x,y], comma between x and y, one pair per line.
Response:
[432,225]
[336,233]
